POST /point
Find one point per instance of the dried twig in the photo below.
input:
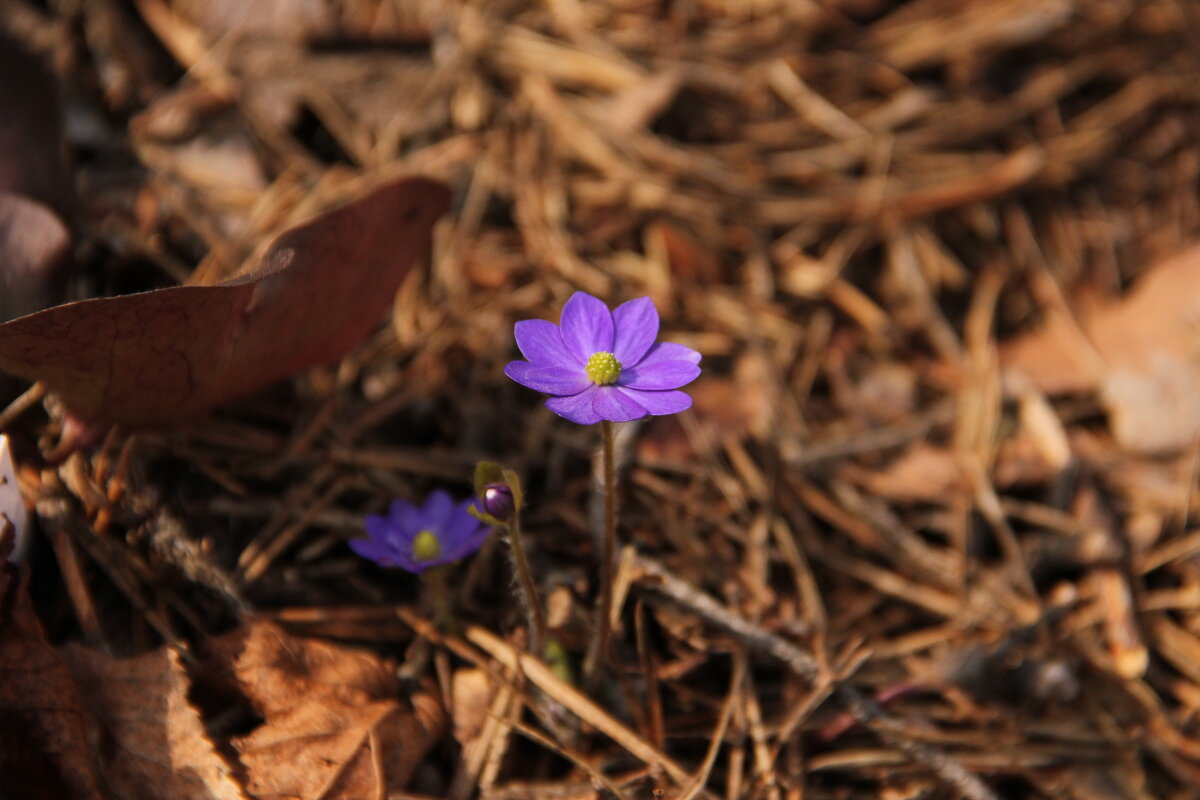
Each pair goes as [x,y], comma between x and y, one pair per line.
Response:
[866,711]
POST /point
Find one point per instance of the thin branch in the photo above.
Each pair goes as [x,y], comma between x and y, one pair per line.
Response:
[864,710]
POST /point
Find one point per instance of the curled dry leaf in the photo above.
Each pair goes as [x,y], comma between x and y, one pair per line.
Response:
[1141,353]
[152,739]
[333,725]
[44,751]
[164,356]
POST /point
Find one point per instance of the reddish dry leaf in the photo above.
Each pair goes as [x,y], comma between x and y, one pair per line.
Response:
[44,752]
[1141,353]
[152,739]
[161,357]
[334,727]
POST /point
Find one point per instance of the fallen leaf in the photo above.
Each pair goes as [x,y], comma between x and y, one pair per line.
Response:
[44,752]
[1142,353]
[152,738]
[160,357]
[334,727]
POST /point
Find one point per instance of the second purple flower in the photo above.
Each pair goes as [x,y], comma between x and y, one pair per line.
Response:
[604,365]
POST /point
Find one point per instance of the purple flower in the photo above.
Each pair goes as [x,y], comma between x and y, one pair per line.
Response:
[419,538]
[604,365]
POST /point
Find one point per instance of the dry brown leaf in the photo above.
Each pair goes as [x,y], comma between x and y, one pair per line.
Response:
[1141,353]
[152,738]
[334,727]
[164,356]
[44,750]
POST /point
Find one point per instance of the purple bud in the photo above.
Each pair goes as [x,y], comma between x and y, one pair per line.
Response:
[498,500]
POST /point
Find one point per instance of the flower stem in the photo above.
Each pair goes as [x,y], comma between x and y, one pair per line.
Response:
[598,653]
[535,617]
[437,597]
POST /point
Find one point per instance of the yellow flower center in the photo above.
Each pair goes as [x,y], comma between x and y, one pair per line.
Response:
[426,546]
[603,368]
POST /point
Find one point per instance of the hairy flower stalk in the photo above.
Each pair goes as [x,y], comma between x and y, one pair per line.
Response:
[499,491]
[535,617]
[598,649]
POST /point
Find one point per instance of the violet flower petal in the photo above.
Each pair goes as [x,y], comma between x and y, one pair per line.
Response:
[613,405]
[435,513]
[659,403]
[382,530]
[635,326]
[551,380]
[460,525]
[464,533]
[577,407]
[402,514]
[383,555]
[659,375]
[587,326]
[541,342]
[667,351]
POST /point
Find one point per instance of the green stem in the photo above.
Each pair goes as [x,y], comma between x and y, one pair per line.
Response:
[437,596]
[599,650]
[533,608]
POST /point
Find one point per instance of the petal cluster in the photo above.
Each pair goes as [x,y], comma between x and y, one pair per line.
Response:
[604,365]
[402,538]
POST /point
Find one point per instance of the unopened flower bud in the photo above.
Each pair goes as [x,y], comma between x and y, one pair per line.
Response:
[498,500]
